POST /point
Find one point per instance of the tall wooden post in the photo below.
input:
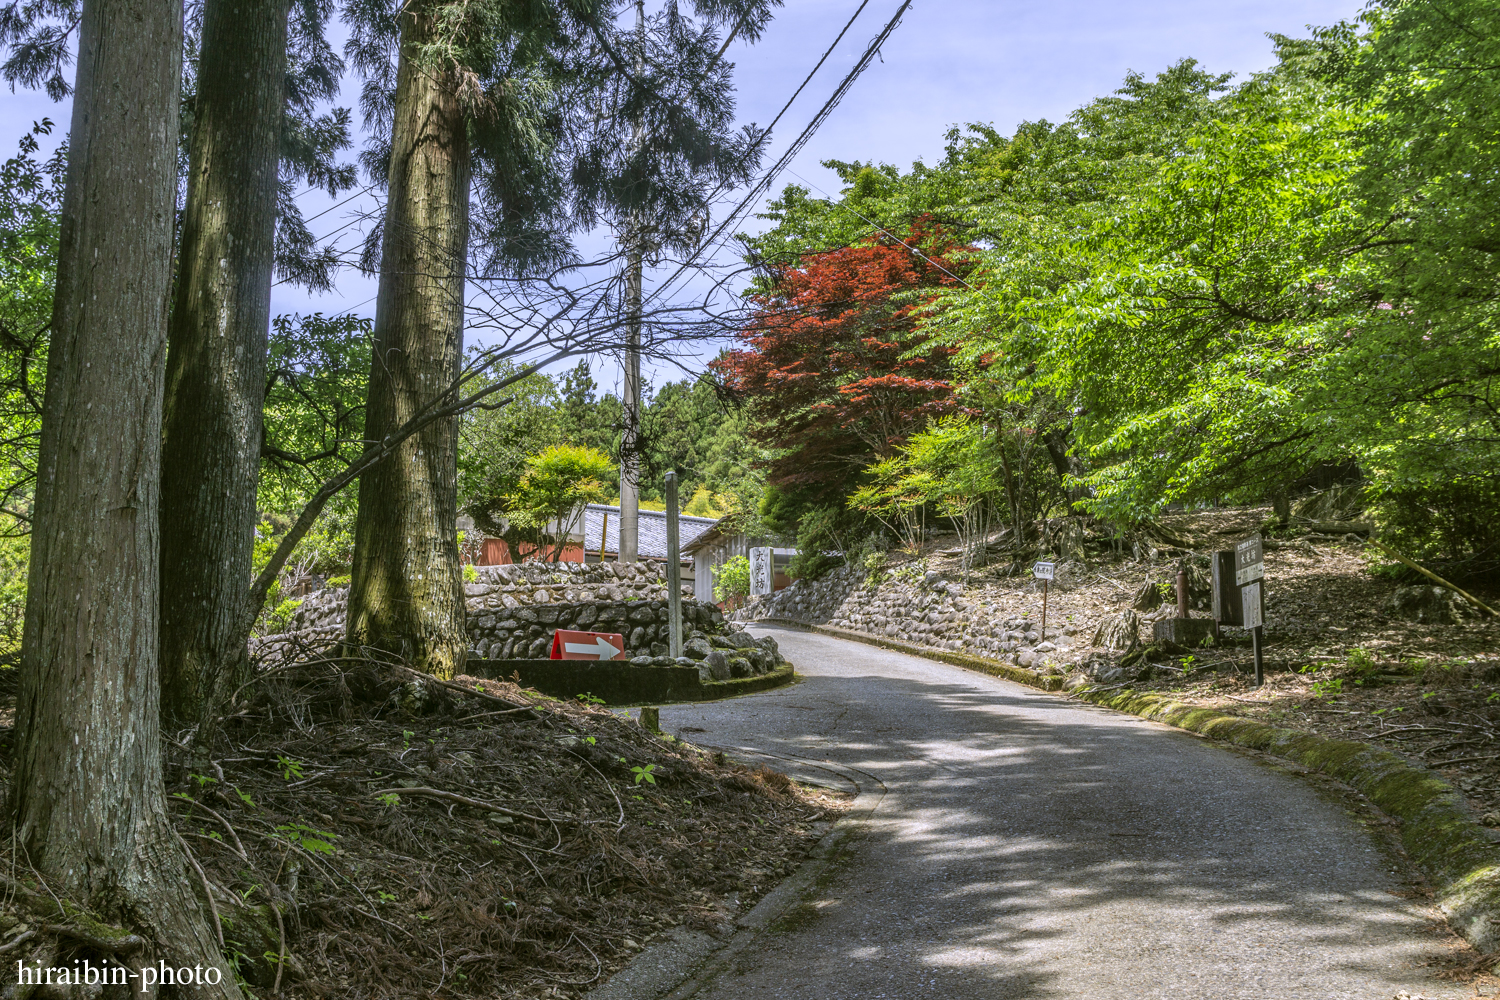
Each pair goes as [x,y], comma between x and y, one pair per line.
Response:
[630,438]
[674,571]
[1044,608]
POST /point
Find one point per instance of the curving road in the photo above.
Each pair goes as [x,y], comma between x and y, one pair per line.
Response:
[1030,846]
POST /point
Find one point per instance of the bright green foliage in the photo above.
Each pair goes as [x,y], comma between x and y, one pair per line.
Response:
[1420,387]
[30,196]
[317,368]
[314,427]
[732,579]
[896,494]
[951,467]
[703,504]
[494,445]
[685,426]
[1192,291]
[554,487]
[1232,303]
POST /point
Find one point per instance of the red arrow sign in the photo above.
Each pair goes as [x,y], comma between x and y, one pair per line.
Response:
[587,645]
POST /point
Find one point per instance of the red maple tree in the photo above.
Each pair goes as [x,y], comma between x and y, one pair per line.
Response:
[825,365]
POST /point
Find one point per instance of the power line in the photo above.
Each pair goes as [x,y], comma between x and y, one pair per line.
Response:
[814,72]
[362,191]
[770,175]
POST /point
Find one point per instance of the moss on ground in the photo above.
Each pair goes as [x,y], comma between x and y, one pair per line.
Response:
[1439,832]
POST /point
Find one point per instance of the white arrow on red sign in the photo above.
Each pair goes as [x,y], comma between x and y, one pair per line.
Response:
[568,645]
[598,647]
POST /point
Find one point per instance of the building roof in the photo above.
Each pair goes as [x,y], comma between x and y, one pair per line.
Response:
[652,541]
[716,533]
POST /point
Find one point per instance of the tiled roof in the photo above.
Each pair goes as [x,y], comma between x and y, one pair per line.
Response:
[652,541]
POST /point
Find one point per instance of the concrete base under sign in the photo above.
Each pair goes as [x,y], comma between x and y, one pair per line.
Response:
[622,683]
[1188,632]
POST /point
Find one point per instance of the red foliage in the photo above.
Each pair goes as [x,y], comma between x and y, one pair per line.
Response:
[822,363]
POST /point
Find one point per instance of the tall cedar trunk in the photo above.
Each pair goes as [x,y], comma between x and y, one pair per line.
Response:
[216,358]
[87,794]
[406,596]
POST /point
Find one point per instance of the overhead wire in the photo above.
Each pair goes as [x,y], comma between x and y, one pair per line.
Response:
[769,177]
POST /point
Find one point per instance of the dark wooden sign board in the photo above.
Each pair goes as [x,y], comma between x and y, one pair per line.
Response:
[1239,592]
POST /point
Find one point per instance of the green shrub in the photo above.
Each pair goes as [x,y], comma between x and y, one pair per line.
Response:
[732,579]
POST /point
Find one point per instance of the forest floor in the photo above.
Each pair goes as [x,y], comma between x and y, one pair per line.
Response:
[465,840]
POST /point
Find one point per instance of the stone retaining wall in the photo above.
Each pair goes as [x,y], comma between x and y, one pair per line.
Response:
[514,610]
[921,609]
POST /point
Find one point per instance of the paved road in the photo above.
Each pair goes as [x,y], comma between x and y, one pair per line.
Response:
[1028,846]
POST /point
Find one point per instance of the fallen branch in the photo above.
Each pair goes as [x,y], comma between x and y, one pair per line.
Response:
[608,785]
[208,892]
[1462,760]
[1433,576]
[463,800]
[238,845]
[22,939]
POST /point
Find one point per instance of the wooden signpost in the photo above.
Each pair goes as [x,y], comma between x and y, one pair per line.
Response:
[1045,572]
[1249,572]
[674,572]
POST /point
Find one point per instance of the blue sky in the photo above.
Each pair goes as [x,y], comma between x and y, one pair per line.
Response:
[950,62]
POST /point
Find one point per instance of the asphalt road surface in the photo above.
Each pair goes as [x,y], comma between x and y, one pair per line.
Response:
[1029,846]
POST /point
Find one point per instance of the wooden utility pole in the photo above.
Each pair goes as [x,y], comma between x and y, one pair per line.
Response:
[630,457]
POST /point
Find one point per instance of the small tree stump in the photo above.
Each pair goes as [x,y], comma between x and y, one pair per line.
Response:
[1121,631]
[1148,598]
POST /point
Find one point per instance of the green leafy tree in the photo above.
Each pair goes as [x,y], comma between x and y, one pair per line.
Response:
[495,444]
[1181,311]
[949,466]
[552,490]
[30,196]
[313,405]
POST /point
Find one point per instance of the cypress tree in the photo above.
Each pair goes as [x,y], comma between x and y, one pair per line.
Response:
[484,97]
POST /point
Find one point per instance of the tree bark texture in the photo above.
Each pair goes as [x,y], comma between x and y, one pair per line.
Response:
[87,795]
[406,595]
[216,357]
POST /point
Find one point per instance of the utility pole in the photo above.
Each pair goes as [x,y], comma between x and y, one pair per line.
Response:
[630,456]
[674,571]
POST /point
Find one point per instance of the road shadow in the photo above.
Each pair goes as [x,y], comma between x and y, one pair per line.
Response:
[1028,845]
